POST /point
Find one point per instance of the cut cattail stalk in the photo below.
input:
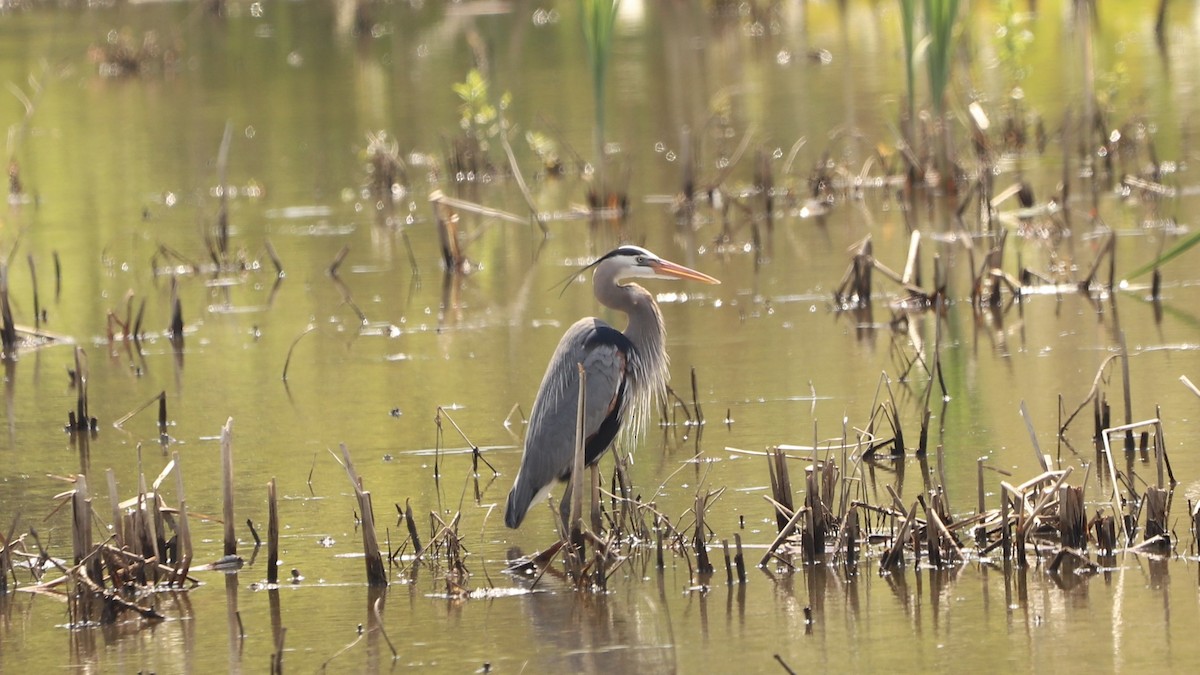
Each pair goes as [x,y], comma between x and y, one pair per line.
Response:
[703,565]
[1156,517]
[739,560]
[982,506]
[175,332]
[8,328]
[376,574]
[852,536]
[728,563]
[1072,520]
[227,486]
[57,276]
[37,308]
[812,537]
[272,534]
[81,522]
[80,418]
[1106,534]
[411,523]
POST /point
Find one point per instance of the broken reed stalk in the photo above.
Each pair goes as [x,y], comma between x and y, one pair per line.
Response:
[8,328]
[448,232]
[272,534]
[812,537]
[728,562]
[1072,517]
[183,536]
[81,528]
[854,291]
[80,419]
[277,657]
[894,555]
[1125,389]
[932,536]
[912,268]
[6,544]
[594,498]
[1037,449]
[1106,534]
[376,574]
[175,332]
[37,308]
[332,270]
[160,399]
[114,502]
[411,523]
[227,487]
[781,485]
[57,275]
[696,399]
[223,191]
[137,324]
[739,560]
[377,607]
[476,455]
[1156,516]
[703,564]
[1193,511]
[573,528]
[288,361]
[1160,451]
[279,274]
[784,533]
[853,532]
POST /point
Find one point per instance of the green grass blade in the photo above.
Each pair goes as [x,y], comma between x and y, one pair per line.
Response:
[908,15]
[1168,255]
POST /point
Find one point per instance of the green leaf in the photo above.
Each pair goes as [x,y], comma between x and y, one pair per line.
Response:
[1168,255]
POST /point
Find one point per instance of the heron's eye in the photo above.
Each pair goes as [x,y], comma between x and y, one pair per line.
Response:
[641,260]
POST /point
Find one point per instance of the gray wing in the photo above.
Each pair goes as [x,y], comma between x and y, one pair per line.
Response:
[550,439]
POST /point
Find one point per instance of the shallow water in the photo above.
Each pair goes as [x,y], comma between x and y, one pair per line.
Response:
[116,168]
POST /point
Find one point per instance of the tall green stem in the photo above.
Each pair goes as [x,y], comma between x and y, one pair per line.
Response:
[908,14]
[940,16]
[599,19]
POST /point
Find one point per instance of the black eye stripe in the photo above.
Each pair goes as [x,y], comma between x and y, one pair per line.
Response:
[629,251]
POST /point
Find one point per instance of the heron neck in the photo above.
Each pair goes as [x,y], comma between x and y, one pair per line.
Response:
[645,330]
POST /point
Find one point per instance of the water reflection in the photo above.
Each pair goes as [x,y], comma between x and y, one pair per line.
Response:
[233,623]
[694,84]
[627,631]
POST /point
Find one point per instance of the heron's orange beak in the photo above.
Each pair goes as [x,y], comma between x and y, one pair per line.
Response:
[669,269]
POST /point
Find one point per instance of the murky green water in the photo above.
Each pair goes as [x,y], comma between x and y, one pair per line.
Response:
[115,169]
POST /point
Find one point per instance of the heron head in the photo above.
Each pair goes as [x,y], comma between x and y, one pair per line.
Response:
[637,262]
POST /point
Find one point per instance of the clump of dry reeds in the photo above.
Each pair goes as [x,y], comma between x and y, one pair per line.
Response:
[125,54]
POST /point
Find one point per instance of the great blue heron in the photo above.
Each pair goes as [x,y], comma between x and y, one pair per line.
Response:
[625,372]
